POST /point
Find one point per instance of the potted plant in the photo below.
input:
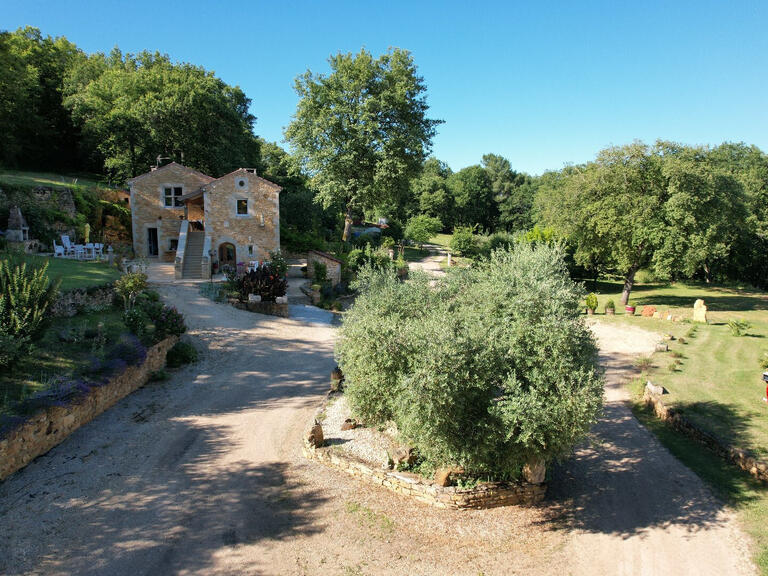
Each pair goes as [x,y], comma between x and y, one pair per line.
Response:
[591,302]
[402,267]
[629,309]
[610,308]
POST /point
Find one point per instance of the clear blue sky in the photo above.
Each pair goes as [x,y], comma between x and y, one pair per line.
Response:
[542,83]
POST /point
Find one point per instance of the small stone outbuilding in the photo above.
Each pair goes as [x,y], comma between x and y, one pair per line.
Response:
[332,265]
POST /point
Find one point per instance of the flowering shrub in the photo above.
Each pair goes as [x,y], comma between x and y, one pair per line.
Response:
[136,321]
[648,311]
[169,322]
[265,281]
[61,392]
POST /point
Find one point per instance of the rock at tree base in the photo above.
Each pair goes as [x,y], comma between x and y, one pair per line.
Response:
[445,476]
[404,456]
[699,311]
[349,424]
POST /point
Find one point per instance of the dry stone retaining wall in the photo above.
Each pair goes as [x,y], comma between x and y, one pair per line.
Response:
[51,426]
[485,495]
[742,458]
[80,300]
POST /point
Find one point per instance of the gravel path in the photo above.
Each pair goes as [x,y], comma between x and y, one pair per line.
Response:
[203,474]
[634,508]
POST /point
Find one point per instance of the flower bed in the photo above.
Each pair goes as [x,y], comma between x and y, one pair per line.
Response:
[27,438]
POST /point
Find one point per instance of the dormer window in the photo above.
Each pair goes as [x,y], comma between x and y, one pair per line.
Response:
[242,207]
[172,196]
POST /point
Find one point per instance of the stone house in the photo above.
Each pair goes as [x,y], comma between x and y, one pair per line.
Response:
[183,216]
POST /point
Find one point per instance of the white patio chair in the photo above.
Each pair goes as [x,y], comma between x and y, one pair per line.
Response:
[58,251]
[79,251]
[90,252]
[69,249]
[98,250]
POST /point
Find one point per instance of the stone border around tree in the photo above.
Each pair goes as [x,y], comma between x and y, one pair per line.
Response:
[50,426]
[744,459]
[484,495]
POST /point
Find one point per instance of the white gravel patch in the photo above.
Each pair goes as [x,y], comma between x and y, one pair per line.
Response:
[367,444]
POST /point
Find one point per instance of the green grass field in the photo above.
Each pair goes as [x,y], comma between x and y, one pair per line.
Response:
[713,376]
[19,178]
[74,273]
[442,240]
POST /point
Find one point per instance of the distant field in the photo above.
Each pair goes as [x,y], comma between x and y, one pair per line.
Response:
[442,240]
[17,177]
[713,376]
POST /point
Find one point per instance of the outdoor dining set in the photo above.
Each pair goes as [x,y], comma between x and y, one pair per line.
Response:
[88,251]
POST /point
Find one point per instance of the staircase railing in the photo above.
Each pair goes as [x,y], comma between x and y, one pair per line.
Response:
[178,264]
[205,260]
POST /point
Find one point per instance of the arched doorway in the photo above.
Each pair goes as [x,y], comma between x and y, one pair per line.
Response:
[227,254]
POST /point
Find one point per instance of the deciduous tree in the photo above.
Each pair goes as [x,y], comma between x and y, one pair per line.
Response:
[362,131]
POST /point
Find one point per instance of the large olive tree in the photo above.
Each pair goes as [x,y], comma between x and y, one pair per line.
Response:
[490,369]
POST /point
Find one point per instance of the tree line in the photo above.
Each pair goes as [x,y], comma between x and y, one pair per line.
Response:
[63,109]
[359,147]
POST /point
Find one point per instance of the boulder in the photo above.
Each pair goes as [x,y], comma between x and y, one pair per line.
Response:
[349,424]
[662,347]
[315,437]
[652,388]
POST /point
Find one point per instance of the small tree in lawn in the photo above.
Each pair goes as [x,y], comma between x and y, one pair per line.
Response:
[421,228]
[362,131]
[129,286]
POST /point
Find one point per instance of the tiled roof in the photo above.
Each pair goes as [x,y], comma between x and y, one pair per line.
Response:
[204,177]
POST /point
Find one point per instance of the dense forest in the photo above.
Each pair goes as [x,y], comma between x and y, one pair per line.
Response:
[670,210]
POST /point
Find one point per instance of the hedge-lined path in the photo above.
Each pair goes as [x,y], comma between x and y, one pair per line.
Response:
[202,474]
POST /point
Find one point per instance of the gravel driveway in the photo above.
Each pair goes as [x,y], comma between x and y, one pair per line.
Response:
[202,474]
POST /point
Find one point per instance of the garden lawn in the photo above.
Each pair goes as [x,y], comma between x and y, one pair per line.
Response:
[711,375]
[63,351]
[75,273]
[17,177]
[442,240]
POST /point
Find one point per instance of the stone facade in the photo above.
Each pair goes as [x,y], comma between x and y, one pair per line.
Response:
[254,234]
[51,426]
[148,209]
[239,209]
[332,265]
[484,495]
[741,458]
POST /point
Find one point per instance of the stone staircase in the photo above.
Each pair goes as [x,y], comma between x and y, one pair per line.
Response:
[192,268]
